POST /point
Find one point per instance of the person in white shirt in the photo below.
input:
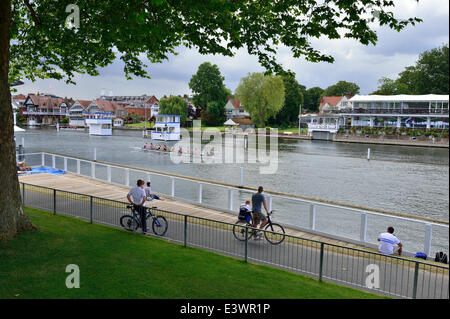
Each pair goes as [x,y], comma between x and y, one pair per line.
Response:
[387,241]
[136,197]
[246,207]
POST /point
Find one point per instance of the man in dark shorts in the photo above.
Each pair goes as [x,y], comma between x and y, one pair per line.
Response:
[258,201]
[136,197]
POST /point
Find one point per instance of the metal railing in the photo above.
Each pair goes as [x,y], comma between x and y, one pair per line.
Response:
[363,269]
[315,214]
[44,113]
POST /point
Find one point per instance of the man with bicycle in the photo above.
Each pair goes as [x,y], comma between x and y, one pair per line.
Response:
[258,200]
[136,197]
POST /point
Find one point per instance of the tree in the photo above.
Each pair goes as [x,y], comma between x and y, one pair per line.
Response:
[341,88]
[174,105]
[388,86]
[207,85]
[40,39]
[312,99]
[430,75]
[262,96]
[215,113]
[292,101]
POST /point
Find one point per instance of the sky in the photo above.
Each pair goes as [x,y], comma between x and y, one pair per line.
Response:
[354,62]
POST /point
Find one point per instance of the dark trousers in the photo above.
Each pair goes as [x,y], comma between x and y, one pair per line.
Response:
[142,216]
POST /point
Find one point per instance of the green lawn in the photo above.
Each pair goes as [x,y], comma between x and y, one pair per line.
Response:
[220,128]
[118,264]
[141,125]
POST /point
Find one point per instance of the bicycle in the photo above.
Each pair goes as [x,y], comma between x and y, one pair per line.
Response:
[273,232]
[133,221]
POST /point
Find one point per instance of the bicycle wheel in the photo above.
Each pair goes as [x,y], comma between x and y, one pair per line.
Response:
[274,233]
[239,230]
[129,223]
[159,225]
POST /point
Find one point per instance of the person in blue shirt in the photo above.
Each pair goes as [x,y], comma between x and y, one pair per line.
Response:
[258,201]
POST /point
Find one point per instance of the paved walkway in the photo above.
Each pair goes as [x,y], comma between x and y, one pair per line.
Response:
[87,186]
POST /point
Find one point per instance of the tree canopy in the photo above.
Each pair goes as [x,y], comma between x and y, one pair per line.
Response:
[341,88]
[292,101]
[210,93]
[207,85]
[174,105]
[45,45]
[312,98]
[262,96]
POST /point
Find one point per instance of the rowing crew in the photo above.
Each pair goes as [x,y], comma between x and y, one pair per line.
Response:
[165,148]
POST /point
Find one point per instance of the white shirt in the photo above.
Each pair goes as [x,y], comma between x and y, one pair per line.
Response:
[138,194]
[148,191]
[246,206]
[387,242]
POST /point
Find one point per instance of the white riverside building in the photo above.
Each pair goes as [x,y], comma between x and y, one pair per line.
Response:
[167,128]
[411,111]
[100,123]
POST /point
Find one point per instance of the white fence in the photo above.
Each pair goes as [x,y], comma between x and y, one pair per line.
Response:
[360,226]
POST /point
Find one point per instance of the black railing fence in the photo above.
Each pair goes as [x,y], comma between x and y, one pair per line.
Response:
[364,269]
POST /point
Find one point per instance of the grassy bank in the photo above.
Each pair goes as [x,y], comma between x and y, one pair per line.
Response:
[141,125]
[119,264]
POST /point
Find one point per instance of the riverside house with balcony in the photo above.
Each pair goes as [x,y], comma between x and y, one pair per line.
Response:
[410,111]
[76,117]
[45,109]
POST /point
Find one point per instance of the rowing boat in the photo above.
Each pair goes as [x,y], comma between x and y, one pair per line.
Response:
[165,152]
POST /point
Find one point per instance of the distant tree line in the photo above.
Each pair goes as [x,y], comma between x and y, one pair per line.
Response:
[277,100]
[428,76]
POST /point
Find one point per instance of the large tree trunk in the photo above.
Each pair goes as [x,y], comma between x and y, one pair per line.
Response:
[12,217]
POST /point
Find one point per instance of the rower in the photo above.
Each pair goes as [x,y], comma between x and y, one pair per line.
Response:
[145,146]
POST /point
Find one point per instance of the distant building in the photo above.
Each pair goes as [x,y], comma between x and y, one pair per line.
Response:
[76,117]
[141,105]
[105,106]
[19,99]
[118,122]
[334,103]
[411,111]
[235,112]
[45,109]
[234,109]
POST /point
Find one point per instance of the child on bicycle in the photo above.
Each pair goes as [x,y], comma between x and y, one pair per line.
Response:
[246,212]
